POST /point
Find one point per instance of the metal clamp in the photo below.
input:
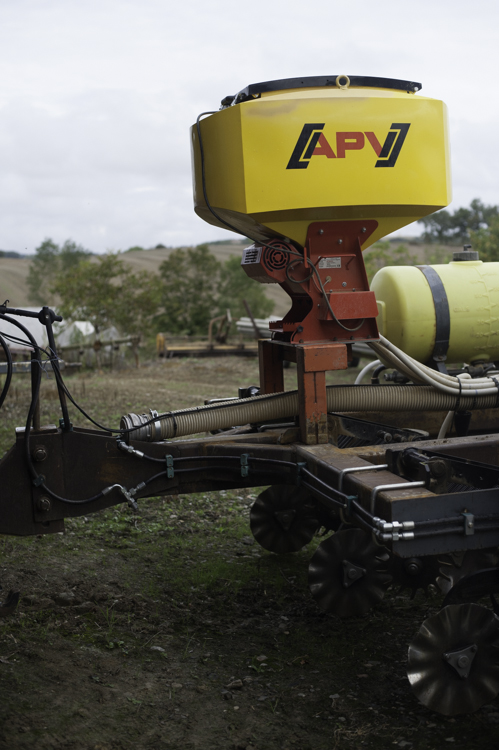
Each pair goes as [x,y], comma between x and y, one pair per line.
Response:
[398,486]
[299,466]
[244,464]
[469,523]
[170,471]
[352,469]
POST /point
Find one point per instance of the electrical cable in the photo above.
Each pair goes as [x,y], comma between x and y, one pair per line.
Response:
[39,479]
[8,357]
[35,390]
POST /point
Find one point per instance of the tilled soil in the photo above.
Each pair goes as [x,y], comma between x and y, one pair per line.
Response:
[172,628]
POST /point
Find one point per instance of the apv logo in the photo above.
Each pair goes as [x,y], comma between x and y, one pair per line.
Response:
[313,142]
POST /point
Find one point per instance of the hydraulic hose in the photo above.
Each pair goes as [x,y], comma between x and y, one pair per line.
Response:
[340,398]
[396,358]
[371,366]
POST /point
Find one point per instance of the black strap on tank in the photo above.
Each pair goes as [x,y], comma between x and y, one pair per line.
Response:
[442,317]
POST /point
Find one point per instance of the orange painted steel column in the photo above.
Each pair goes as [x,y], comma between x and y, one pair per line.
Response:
[313,361]
[271,367]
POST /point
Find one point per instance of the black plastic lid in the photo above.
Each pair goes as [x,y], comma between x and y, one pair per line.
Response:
[254,90]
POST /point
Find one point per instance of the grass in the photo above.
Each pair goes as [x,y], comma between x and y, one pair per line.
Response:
[180,575]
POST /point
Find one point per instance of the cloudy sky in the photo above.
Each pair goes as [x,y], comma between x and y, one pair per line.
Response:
[97,97]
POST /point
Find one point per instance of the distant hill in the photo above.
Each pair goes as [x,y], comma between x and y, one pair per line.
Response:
[14,271]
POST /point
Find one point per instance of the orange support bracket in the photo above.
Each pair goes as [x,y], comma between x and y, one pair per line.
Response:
[312,361]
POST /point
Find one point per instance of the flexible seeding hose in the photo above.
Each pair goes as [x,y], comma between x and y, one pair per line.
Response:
[441,393]
[340,398]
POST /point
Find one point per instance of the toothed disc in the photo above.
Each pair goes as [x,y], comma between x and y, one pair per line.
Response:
[348,573]
[283,519]
[453,664]
[456,565]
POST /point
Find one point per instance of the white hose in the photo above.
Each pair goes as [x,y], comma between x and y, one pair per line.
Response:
[417,372]
[365,370]
[446,425]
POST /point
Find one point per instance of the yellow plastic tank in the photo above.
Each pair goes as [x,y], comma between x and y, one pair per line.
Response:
[412,303]
[283,154]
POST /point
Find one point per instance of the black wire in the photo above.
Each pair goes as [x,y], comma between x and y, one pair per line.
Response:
[38,479]
[8,357]
[35,391]
[341,495]
[68,501]
[87,416]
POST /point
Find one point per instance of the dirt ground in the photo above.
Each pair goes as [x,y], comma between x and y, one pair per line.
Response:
[171,628]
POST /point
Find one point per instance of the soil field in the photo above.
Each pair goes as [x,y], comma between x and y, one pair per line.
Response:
[171,628]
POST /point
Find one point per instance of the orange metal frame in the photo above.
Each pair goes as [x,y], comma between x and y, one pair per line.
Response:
[309,335]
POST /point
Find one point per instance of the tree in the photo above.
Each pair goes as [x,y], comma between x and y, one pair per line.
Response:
[235,286]
[486,241]
[447,228]
[189,290]
[381,254]
[106,292]
[196,287]
[48,261]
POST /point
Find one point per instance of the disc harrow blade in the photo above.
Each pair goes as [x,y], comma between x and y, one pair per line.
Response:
[284,519]
[453,662]
[348,573]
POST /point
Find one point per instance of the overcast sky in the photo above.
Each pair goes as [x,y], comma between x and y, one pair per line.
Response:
[97,97]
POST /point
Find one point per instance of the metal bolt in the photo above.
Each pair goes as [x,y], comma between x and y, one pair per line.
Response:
[43,504]
[39,454]
[343,283]
[352,573]
[463,662]
[340,242]
[363,229]
[321,231]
